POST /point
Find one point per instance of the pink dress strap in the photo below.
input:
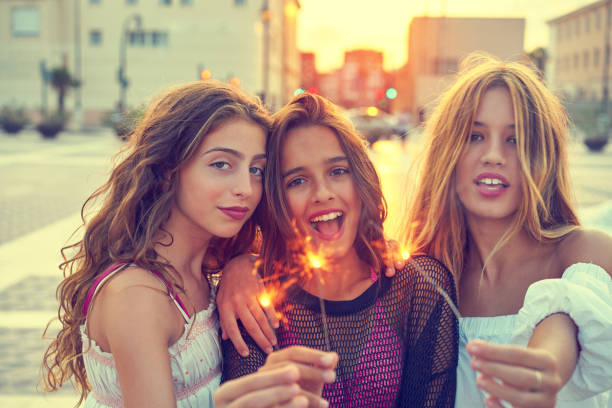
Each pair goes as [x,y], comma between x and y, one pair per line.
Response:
[116,267]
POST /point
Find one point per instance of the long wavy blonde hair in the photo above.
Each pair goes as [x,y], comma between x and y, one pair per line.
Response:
[136,202]
[434,219]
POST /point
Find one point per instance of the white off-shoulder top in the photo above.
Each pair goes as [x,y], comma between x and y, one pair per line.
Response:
[584,293]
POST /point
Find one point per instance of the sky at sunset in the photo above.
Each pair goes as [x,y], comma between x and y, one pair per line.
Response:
[329,27]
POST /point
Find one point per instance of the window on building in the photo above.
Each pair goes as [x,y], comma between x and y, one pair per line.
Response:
[187,2]
[239,2]
[131,2]
[585,59]
[568,30]
[597,20]
[587,23]
[95,1]
[95,38]
[577,26]
[576,61]
[567,63]
[25,21]
[595,57]
[159,39]
[156,39]
[165,2]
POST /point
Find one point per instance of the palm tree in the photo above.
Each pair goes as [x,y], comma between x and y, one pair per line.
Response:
[62,81]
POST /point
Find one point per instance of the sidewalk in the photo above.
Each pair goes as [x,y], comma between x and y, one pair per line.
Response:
[29,275]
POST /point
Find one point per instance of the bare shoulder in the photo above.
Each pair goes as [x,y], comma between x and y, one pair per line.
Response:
[586,245]
[134,303]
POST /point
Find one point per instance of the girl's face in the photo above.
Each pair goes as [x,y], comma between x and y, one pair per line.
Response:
[320,189]
[488,176]
[221,185]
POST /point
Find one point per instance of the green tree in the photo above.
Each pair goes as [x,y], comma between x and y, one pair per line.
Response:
[61,80]
[539,56]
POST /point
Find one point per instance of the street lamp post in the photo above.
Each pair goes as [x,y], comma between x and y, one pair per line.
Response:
[265,19]
[121,74]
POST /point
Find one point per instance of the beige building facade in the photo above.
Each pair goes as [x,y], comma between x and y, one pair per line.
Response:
[162,43]
[577,51]
[436,46]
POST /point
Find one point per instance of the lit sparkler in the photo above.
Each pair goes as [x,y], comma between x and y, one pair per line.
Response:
[316,264]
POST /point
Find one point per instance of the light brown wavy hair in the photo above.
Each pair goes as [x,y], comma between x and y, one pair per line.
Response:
[309,110]
[136,202]
[434,219]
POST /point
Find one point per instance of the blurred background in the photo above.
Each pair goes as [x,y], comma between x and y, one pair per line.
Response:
[76,74]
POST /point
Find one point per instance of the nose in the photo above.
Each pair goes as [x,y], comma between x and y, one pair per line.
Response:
[323,192]
[243,186]
[494,152]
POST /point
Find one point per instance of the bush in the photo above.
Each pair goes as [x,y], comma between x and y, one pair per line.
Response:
[125,123]
[51,125]
[13,119]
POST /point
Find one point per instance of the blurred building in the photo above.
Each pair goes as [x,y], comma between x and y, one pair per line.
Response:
[163,43]
[309,80]
[436,46]
[577,51]
[362,78]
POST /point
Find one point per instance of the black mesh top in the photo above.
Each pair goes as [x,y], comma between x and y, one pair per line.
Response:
[397,342]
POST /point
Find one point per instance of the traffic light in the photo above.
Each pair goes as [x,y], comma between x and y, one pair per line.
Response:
[205,74]
[391,93]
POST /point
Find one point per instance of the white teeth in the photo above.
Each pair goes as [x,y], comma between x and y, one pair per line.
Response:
[327,217]
[490,181]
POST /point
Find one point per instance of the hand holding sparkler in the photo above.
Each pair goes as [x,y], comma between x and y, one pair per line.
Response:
[274,388]
[237,298]
[316,368]
[396,257]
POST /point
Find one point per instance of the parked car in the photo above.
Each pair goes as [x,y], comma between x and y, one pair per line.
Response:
[372,123]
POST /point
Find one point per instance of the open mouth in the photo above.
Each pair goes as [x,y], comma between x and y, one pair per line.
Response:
[328,224]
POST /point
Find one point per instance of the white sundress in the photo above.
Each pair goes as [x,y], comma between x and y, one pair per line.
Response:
[195,360]
[584,293]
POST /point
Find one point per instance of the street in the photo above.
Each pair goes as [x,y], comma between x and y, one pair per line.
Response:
[44,184]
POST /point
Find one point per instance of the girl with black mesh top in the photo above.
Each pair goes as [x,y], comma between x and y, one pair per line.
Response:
[396,338]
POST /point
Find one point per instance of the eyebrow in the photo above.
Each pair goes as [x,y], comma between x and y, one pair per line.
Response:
[477,123]
[233,153]
[329,161]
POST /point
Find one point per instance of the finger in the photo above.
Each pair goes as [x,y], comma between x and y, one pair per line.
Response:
[272,316]
[305,355]
[308,374]
[492,402]
[285,377]
[512,355]
[252,326]
[270,397]
[511,394]
[232,331]
[314,400]
[265,326]
[516,376]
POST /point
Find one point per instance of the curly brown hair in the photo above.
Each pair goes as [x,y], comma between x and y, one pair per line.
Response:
[136,202]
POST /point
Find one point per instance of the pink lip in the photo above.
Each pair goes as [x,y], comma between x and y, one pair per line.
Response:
[488,192]
[236,213]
